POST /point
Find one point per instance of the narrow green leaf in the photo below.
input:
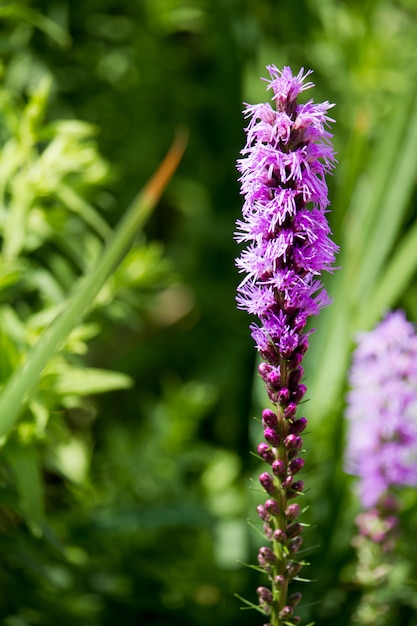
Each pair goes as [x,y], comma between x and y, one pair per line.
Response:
[15,393]
[391,212]
[84,382]
[24,462]
[249,605]
[372,184]
[52,29]
[79,206]
[394,281]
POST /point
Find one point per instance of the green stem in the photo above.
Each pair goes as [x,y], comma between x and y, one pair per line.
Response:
[279,548]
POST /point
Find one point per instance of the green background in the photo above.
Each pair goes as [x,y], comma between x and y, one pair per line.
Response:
[147,490]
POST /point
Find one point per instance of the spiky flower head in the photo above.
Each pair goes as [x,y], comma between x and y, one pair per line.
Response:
[287,155]
[382,409]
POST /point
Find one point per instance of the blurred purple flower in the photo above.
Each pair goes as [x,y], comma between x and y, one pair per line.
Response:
[382,409]
[286,158]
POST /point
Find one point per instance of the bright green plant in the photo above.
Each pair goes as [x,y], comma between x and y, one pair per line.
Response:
[54,242]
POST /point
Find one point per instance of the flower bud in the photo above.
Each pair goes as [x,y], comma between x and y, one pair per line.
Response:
[296,376]
[269,419]
[265,452]
[296,489]
[298,426]
[272,507]
[290,410]
[286,612]
[292,511]
[263,513]
[293,442]
[295,361]
[298,393]
[266,556]
[279,581]
[271,436]
[264,595]
[278,468]
[298,486]
[280,535]
[283,395]
[294,530]
[295,544]
[263,370]
[274,379]
[267,483]
[293,568]
[296,465]
[295,598]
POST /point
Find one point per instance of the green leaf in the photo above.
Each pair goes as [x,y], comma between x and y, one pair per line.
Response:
[84,382]
[76,204]
[23,459]
[391,211]
[52,29]
[395,279]
[14,395]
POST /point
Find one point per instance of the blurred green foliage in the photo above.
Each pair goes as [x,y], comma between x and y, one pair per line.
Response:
[132,506]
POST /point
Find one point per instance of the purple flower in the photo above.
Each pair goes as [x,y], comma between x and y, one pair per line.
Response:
[382,409]
[284,227]
[287,154]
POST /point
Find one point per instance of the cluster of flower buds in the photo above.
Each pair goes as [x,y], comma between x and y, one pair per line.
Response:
[281,450]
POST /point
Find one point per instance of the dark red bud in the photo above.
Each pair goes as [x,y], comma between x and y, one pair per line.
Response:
[267,483]
[269,419]
[290,410]
[295,598]
[294,530]
[263,370]
[265,452]
[292,511]
[271,436]
[286,612]
[263,513]
[298,393]
[266,555]
[283,395]
[279,581]
[274,379]
[296,465]
[292,442]
[296,376]
[278,468]
[295,544]
[298,426]
[280,535]
[272,507]
[264,595]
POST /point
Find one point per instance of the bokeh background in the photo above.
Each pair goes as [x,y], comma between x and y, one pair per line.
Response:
[131,506]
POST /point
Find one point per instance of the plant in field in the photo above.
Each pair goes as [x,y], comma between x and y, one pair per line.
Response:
[381,452]
[285,161]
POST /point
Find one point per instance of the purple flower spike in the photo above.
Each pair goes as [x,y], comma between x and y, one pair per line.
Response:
[381,445]
[382,409]
[283,168]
